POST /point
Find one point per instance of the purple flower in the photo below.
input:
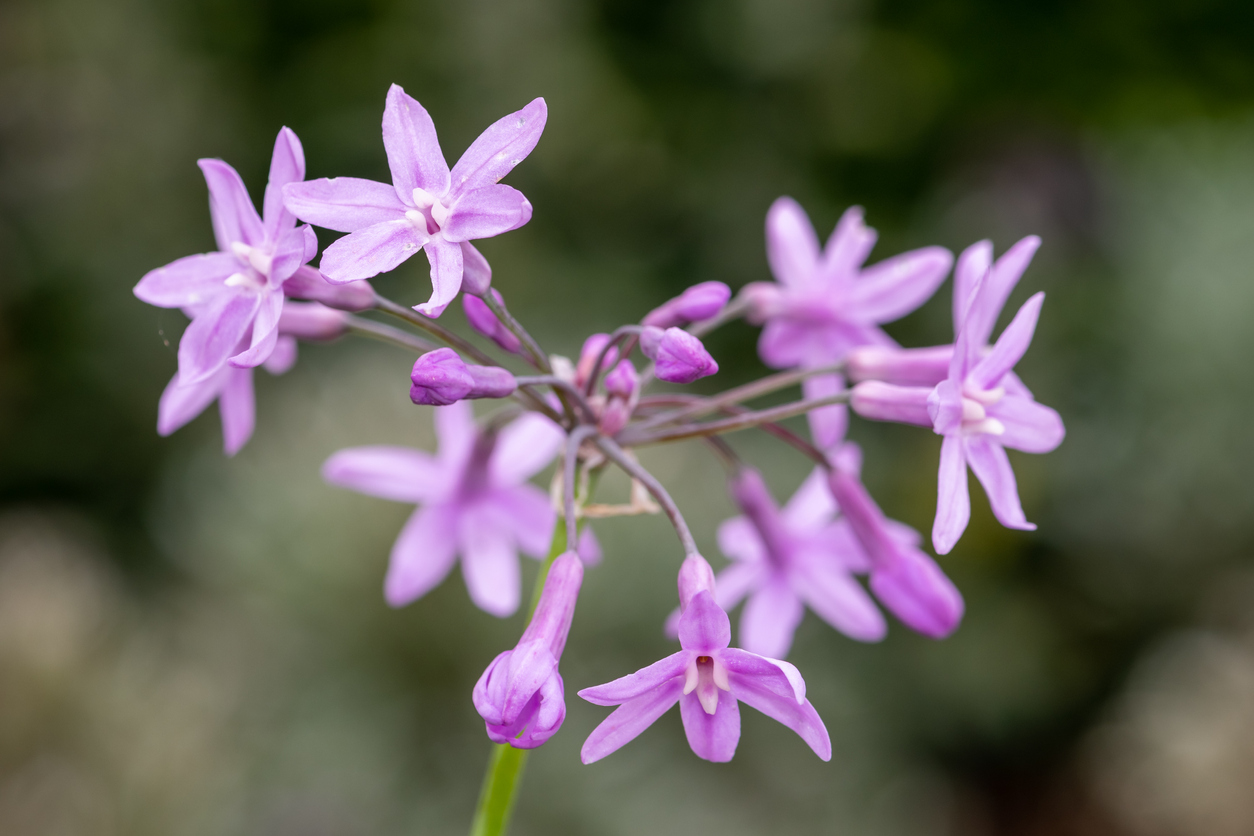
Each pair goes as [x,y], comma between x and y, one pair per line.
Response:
[426,206]
[308,283]
[473,499]
[234,296]
[701,301]
[481,318]
[441,377]
[708,679]
[311,321]
[680,357]
[520,696]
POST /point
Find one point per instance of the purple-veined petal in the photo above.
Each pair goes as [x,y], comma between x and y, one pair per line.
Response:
[345,204]
[713,737]
[422,556]
[477,274]
[801,718]
[775,675]
[524,448]
[181,403]
[627,688]
[414,154]
[953,502]
[289,255]
[489,563]
[238,408]
[838,599]
[234,216]
[1010,346]
[628,720]
[1001,280]
[287,165]
[189,281]
[812,506]
[283,357]
[847,248]
[528,514]
[919,593]
[311,242]
[214,335]
[397,473]
[505,144]
[1030,426]
[486,212]
[446,276]
[973,266]
[896,286]
[550,624]
[488,693]
[739,540]
[827,423]
[792,248]
[992,467]
[371,251]
[704,627]
[770,618]
[265,333]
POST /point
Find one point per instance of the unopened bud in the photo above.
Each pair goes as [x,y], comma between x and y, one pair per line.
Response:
[701,301]
[481,318]
[441,377]
[312,321]
[680,357]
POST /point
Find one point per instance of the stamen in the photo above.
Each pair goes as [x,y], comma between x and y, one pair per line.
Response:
[972,412]
[988,397]
[237,280]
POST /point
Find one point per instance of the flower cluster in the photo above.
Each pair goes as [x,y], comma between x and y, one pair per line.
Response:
[830,548]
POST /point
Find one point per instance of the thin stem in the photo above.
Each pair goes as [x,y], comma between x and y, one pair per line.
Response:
[438,331]
[573,441]
[731,311]
[740,422]
[564,385]
[619,456]
[538,358]
[388,334]
[617,336]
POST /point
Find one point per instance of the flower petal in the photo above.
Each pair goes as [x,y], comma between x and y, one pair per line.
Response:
[283,357]
[486,212]
[631,718]
[345,204]
[973,266]
[704,627]
[838,599]
[812,506]
[1010,346]
[446,276]
[827,423]
[287,165]
[740,541]
[919,593]
[953,502]
[477,275]
[627,688]
[214,335]
[770,619]
[413,149]
[526,512]
[1030,426]
[456,432]
[193,280]
[847,248]
[238,409]
[992,467]
[234,216]
[713,737]
[775,675]
[505,144]
[896,286]
[397,473]
[265,333]
[180,403]
[489,563]
[371,251]
[422,556]
[792,248]
[801,718]
[1001,280]
[524,448]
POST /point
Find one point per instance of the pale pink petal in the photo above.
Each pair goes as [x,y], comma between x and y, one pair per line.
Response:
[1030,426]
[589,548]
[973,266]
[704,627]
[838,599]
[287,165]
[732,585]
[896,286]
[785,343]
[486,212]
[847,249]
[1002,278]
[800,717]
[289,255]
[953,502]
[238,409]
[190,281]
[792,248]
[413,149]
[828,423]
[283,357]
[527,513]
[524,448]
[919,593]
[638,684]
[812,506]
[713,737]
[214,335]
[234,216]
[476,273]
[181,403]
[505,144]
[422,556]
[992,467]
[1010,346]
[628,720]
[397,473]
[770,618]
[371,251]
[446,276]
[345,204]
[489,564]
[265,333]
[455,430]
[739,540]
[778,676]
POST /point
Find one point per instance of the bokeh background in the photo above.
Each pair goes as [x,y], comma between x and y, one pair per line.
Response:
[191,645]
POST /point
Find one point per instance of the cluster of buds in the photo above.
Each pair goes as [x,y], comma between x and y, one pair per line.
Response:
[830,548]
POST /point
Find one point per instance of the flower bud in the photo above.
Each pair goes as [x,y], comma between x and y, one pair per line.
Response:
[695,576]
[476,272]
[903,366]
[588,356]
[481,318]
[701,301]
[680,357]
[886,402]
[308,283]
[440,378]
[312,321]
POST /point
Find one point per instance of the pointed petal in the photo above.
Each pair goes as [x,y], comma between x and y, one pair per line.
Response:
[526,512]
[189,281]
[345,204]
[847,248]
[396,473]
[973,266]
[704,627]
[181,403]
[422,555]
[455,431]
[1010,346]
[713,737]
[953,502]
[838,599]
[777,676]
[896,286]
[731,586]
[631,718]
[1030,426]
[919,593]
[792,248]
[283,357]
[214,336]
[801,718]
[770,619]
[371,251]
[237,406]
[524,448]
[739,540]
[234,216]
[287,165]
[992,467]
[812,506]
[827,423]
[486,212]
[1001,281]
[446,276]
[489,563]
[627,688]
[289,254]
[505,144]
[265,333]
[476,272]
[413,149]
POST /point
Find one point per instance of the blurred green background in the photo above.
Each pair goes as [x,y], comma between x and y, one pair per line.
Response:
[195,645]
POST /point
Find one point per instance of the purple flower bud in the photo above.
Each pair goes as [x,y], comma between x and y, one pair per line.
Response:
[476,272]
[440,378]
[588,355]
[886,402]
[308,283]
[695,576]
[623,381]
[312,321]
[521,695]
[701,301]
[481,318]
[680,357]
[903,366]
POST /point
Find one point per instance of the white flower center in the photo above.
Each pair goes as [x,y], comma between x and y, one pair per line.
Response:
[975,418]
[706,676]
[426,206]
[253,257]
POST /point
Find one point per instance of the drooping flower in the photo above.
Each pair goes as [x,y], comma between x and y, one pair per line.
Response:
[825,302]
[426,206]
[708,679]
[701,301]
[235,296]
[520,695]
[473,498]
[680,357]
[441,377]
